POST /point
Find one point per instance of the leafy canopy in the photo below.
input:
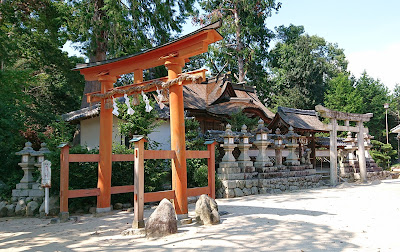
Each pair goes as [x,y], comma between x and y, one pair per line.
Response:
[301,67]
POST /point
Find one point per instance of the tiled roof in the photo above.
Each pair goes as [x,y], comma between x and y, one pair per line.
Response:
[300,119]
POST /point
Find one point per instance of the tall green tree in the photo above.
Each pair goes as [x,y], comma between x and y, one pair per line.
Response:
[301,67]
[246,36]
[341,94]
[106,29]
[35,78]
[394,107]
[374,95]
[114,28]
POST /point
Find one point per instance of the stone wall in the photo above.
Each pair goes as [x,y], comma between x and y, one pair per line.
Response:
[371,176]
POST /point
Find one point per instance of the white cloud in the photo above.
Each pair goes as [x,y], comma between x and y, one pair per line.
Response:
[380,64]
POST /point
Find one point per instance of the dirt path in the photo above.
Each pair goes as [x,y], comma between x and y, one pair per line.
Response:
[347,218]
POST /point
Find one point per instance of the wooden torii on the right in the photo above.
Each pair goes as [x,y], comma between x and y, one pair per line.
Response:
[333,128]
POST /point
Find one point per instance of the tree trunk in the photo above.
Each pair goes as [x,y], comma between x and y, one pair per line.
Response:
[239,46]
[99,50]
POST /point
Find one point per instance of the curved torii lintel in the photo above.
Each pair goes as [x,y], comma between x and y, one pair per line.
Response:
[344,116]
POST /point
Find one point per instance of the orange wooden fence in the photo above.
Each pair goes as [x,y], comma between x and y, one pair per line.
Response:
[140,154]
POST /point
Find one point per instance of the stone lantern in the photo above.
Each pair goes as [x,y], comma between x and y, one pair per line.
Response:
[292,159]
[27,165]
[228,168]
[278,146]
[244,146]
[351,147]
[262,143]
[370,163]
[229,144]
[368,146]
[40,158]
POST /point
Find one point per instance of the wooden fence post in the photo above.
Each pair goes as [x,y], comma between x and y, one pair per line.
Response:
[64,181]
[138,182]
[211,167]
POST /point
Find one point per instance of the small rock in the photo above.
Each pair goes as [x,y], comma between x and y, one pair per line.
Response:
[92,210]
[118,206]
[222,213]
[186,221]
[32,208]
[28,199]
[207,210]
[162,221]
[10,210]
[126,205]
[238,192]
[246,191]
[129,210]
[38,199]
[133,231]
[54,220]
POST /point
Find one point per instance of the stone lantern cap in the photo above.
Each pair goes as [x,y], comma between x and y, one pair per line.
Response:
[368,137]
[278,135]
[243,133]
[291,134]
[43,150]
[228,132]
[261,128]
[349,139]
[27,150]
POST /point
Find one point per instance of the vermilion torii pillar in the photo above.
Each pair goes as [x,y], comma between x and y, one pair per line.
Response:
[105,148]
[173,55]
[178,144]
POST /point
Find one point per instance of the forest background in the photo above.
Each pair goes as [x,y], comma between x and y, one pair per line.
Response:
[287,66]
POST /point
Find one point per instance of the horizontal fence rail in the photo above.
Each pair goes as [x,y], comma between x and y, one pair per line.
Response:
[139,155]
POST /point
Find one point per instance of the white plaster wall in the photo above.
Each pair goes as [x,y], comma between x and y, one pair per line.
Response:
[162,135]
[90,132]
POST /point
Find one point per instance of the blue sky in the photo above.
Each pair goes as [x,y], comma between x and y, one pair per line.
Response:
[368,31]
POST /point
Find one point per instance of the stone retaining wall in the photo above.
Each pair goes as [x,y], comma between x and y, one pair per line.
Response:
[371,176]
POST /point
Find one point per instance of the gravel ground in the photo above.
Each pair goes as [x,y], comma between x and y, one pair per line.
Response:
[350,217]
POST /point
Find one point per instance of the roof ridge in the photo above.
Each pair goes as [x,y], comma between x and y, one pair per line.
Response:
[297,111]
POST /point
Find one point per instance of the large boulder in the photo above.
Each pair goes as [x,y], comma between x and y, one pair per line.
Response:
[32,208]
[20,208]
[10,210]
[207,211]
[3,209]
[162,221]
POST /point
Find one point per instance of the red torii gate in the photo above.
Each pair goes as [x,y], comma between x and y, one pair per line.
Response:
[173,55]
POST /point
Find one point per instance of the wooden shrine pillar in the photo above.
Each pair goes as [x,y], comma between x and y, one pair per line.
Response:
[177,122]
[313,153]
[333,151]
[105,148]
[361,152]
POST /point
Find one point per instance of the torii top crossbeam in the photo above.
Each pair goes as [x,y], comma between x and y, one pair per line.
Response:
[173,55]
[185,47]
